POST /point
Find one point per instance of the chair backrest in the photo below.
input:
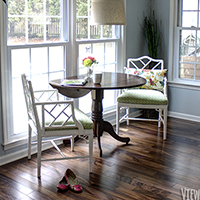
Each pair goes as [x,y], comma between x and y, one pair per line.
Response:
[145,62]
[150,69]
[30,102]
[53,114]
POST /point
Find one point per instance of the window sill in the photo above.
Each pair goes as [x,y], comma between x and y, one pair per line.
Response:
[16,143]
[190,85]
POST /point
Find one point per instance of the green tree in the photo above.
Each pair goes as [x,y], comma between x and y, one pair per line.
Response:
[53,7]
[15,7]
[82,7]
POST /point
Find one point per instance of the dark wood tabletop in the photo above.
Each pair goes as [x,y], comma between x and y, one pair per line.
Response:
[110,80]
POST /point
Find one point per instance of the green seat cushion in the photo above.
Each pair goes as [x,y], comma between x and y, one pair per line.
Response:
[143,96]
[80,116]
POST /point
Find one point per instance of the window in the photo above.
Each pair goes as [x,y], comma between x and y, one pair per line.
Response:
[36,45]
[187,40]
[44,43]
[100,41]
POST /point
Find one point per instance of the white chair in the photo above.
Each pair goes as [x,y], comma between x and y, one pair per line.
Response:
[152,95]
[58,120]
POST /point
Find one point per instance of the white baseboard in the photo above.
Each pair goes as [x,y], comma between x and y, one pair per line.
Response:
[8,158]
[184,116]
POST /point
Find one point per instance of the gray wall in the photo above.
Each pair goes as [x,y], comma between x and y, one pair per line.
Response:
[184,101]
[135,45]
[136,11]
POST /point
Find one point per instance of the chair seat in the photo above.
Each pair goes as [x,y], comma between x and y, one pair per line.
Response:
[143,96]
[80,116]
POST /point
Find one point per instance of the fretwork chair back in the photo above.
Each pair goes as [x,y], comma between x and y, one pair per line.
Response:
[58,120]
[152,95]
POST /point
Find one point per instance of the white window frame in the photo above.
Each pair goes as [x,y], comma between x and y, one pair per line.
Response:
[173,60]
[71,60]
[10,139]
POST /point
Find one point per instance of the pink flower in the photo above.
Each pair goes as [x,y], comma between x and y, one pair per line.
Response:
[93,60]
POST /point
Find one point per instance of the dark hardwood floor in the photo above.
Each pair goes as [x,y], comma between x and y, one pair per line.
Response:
[147,168]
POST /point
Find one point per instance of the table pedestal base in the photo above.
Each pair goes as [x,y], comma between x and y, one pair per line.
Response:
[99,124]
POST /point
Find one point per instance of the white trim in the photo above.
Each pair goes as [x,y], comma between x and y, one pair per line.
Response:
[23,153]
[184,85]
[5,87]
[177,115]
[171,39]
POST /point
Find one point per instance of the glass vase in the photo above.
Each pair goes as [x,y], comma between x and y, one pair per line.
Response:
[89,72]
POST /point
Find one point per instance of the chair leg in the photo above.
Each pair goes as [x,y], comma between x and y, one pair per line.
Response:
[72,143]
[165,125]
[39,156]
[159,117]
[127,112]
[117,119]
[90,152]
[29,141]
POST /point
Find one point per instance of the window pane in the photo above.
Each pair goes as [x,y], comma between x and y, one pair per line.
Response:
[86,31]
[16,7]
[35,7]
[189,19]
[82,8]
[98,51]
[108,31]
[53,7]
[56,58]
[40,82]
[190,4]
[109,98]
[35,30]
[39,60]
[41,21]
[186,71]
[84,50]
[188,37]
[54,76]
[20,62]
[198,70]
[81,28]
[110,68]
[19,107]
[85,103]
[95,32]
[110,54]
[53,29]
[16,30]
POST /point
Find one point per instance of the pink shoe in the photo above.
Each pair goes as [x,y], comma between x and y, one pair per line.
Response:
[73,181]
[63,185]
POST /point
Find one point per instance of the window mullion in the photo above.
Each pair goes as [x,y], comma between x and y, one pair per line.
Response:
[26,20]
[45,20]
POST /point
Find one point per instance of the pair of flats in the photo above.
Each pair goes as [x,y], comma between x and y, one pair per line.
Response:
[69,181]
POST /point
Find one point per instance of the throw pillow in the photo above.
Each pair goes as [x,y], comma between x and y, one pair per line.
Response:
[154,78]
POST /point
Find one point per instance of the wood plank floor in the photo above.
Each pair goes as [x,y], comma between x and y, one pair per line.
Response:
[147,168]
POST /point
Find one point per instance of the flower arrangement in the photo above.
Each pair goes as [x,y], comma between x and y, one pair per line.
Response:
[89,61]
